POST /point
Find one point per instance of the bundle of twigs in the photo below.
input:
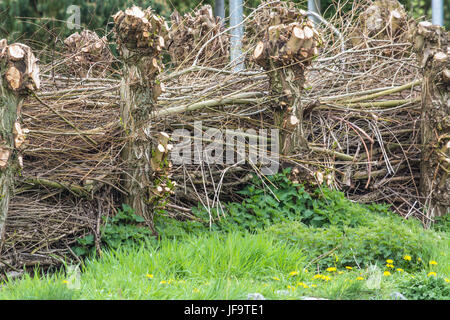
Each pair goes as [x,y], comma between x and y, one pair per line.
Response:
[42,231]
[218,99]
[364,104]
[71,168]
[361,115]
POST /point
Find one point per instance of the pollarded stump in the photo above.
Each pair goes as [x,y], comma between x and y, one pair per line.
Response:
[288,45]
[433,52]
[140,37]
[19,74]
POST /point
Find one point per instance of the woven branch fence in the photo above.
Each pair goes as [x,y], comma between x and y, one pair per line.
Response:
[347,98]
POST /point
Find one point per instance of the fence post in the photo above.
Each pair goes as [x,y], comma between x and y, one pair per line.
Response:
[437,11]
[431,45]
[141,38]
[314,6]
[288,45]
[237,32]
[219,8]
[19,73]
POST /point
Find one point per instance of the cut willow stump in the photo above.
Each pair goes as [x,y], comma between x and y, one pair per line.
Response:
[190,32]
[382,20]
[432,46]
[88,54]
[140,38]
[19,73]
[287,48]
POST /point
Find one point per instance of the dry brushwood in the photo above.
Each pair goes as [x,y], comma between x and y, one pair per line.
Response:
[190,32]
[19,74]
[71,169]
[362,118]
[285,51]
[432,44]
[87,54]
[140,37]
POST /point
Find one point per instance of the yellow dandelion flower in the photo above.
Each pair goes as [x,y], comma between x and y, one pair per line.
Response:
[432,262]
[276,278]
[407,258]
[149,276]
[390,261]
[386,273]
[306,271]
[340,272]
[432,273]
[65,281]
[359,278]
[419,259]
[348,268]
[331,269]
[163,282]
[317,276]
[293,273]
[326,278]
[292,288]
[390,266]
[301,284]
[447,280]
[400,270]
[313,285]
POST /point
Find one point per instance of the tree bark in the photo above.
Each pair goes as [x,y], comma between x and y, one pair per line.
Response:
[140,37]
[19,73]
[432,46]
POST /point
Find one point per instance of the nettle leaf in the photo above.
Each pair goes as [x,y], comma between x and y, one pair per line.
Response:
[127,209]
[244,192]
[271,201]
[138,219]
[87,240]
[286,195]
[307,213]
[79,251]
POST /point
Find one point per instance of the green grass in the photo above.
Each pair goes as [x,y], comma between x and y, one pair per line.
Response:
[214,266]
[217,266]
[366,245]
[280,249]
